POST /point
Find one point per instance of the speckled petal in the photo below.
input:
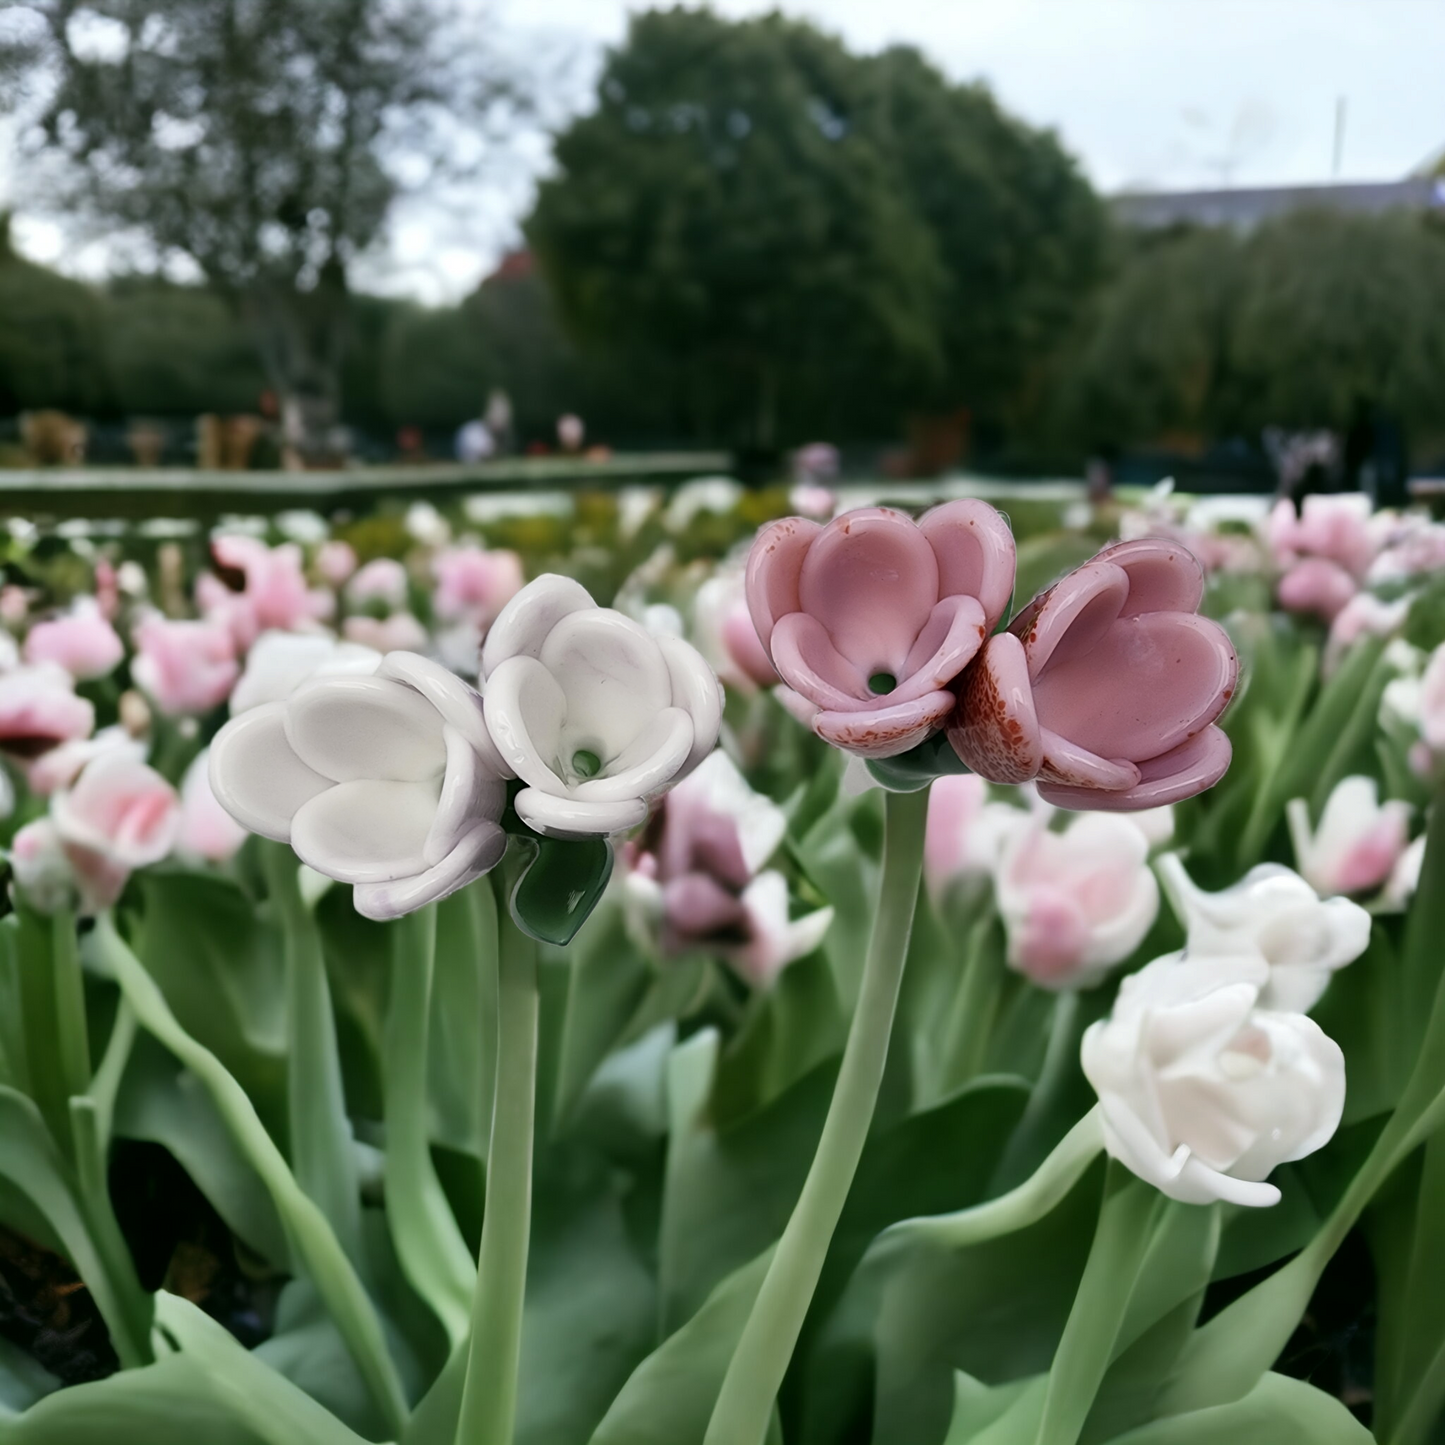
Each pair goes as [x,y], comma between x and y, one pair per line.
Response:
[975,552]
[950,639]
[1163,576]
[884,732]
[1081,608]
[1182,773]
[1070,765]
[995,729]
[808,662]
[774,567]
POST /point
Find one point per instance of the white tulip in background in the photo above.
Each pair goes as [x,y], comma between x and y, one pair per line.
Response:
[1076,902]
[1273,913]
[389,782]
[1201,1092]
[279,662]
[592,712]
[1358,842]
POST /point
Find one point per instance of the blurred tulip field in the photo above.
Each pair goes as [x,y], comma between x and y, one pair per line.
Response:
[621,967]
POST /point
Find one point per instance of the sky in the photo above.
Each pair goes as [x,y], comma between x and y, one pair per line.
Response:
[1157,94]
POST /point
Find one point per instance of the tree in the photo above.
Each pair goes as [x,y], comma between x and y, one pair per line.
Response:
[264,140]
[725,227]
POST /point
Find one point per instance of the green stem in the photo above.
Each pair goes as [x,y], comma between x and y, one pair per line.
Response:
[975,1006]
[489,1396]
[433,1255]
[323,1156]
[72,1030]
[1087,1345]
[105,1087]
[308,1230]
[755,1373]
[45,1059]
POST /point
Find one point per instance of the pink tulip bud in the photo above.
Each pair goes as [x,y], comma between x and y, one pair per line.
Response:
[1318,586]
[185,667]
[335,562]
[474,585]
[400,632]
[382,580]
[84,643]
[870,619]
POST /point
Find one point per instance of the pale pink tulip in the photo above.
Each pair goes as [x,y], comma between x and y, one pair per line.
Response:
[1316,585]
[871,619]
[207,831]
[1364,615]
[257,588]
[1432,702]
[1335,528]
[966,834]
[1359,840]
[53,874]
[83,643]
[185,667]
[474,584]
[335,562]
[382,580]
[59,767]
[400,632]
[723,631]
[1106,688]
[39,710]
[1078,902]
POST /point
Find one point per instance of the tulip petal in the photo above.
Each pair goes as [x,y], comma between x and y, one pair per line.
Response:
[1144,686]
[470,790]
[460,706]
[774,567]
[1079,610]
[475,853]
[1066,763]
[366,831]
[884,732]
[525,712]
[696,690]
[256,774]
[995,728]
[951,637]
[975,552]
[871,579]
[808,662]
[569,817]
[1181,773]
[523,625]
[647,765]
[1163,575]
[351,728]
[613,675]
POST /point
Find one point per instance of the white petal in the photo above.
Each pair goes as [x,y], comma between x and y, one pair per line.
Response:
[614,677]
[523,624]
[696,689]
[475,853]
[257,777]
[647,766]
[366,831]
[571,818]
[525,710]
[470,792]
[351,728]
[459,705]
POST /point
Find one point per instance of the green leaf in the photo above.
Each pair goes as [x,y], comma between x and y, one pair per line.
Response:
[933,758]
[1278,1411]
[976,1406]
[461,1040]
[560,887]
[23,1379]
[669,1397]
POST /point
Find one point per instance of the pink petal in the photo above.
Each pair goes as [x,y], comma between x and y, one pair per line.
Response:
[871,579]
[885,732]
[1082,607]
[995,728]
[1316,585]
[774,567]
[694,906]
[808,662]
[1163,576]
[950,638]
[975,552]
[1143,687]
[1066,763]
[1181,773]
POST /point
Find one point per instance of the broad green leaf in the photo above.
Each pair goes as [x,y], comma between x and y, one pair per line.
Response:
[669,1397]
[461,1041]
[976,1406]
[560,887]
[1278,1411]
[23,1379]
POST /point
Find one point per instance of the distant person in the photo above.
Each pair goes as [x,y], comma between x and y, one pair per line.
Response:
[500,422]
[411,444]
[474,442]
[571,433]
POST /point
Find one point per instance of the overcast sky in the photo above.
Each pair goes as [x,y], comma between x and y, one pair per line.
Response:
[1154,93]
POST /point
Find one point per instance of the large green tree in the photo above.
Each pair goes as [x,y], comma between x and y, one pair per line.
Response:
[727,225]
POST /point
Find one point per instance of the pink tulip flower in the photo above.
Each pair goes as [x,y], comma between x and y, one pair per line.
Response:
[1316,585]
[966,834]
[53,874]
[1078,902]
[382,580]
[870,619]
[1335,528]
[335,562]
[257,588]
[1359,841]
[83,643]
[723,631]
[474,584]
[400,632]
[1364,615]
[185,667]
[207,831]
[1105,689]
[39,710]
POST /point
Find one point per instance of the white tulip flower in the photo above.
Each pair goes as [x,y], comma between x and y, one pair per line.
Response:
[279,662]
[389,782]
[1274,913]
[1201,1092]
[595,714]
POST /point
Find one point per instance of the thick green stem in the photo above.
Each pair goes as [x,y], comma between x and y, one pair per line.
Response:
[322,1153]
[744,1405]
[434,1256]
[975,1006]
[72,1030]
[489,1396]
[1087,1345]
